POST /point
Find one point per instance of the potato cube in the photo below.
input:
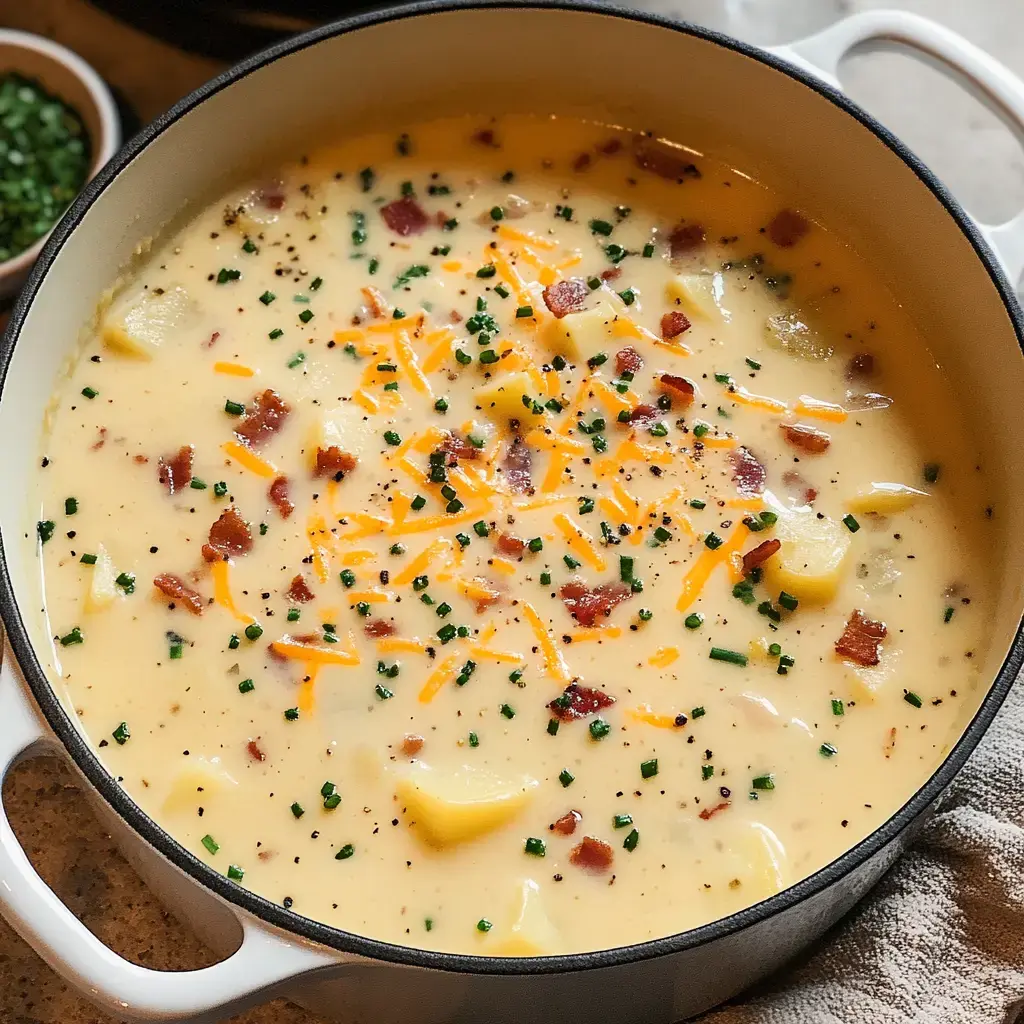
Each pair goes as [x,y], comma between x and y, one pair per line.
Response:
[580,336]
[103,591]
[885,499]
[810,563]
[697,294]
[450,807]
[138,325]
[502,398]
[346,427]
[531,932]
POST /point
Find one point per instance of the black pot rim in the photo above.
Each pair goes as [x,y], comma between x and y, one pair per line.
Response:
[337,938]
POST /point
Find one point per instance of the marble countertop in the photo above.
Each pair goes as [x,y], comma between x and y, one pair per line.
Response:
[962,141]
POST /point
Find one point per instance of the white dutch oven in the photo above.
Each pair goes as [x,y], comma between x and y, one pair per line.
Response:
[781,113]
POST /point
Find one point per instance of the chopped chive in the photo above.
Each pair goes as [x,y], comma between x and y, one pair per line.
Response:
[545,579]
[838,707]
[566,777]
[249,246]
[88,559]
[931,472]
[246,686]
[571,562]
[463,539]
[912,698]
[946,616]
[362,608]
[225,275]
[345,852]
[198,485]
[515,675]
[827,750]
[707,771]
[697,712]
[694,620]
[383,693]
[297,809]
[648,769]
[253,631]
[44,530]
[347,577]
[599,728]
[764,782]
[474,740]
[508,711]
[267,298]
[235,873]
[291,714]
[628,296]
[788,601]
[444,609]
[629,843]
[601,227]
[535,847]
[70,506]
[487,270]
[74,637]
[126,581]
[233,642]
[648,251]
[210,843]
[122,734]
[447,633]
[553,726]
[483,925]
[753,364]
[480,528]
[275,334]
[712,541]
[296,360]
[536,544]
[615,253]
[523,312]
[392,437]
[850,523]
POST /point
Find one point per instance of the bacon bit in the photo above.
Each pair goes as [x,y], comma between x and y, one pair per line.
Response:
[271,196]
[456,317]
[411,744]
[680,387]
[458,447]
[486,138]
[175,471]
[101,440]
[266,854]
[441,218]
[582,162]
[517,466]
[673,324]
[330,461]
[263,419]
[584,604]
[377,628]
[806,438]
[593,854]
[861,639]
[299,591]
[405,216]
[566,824]
[748,474]
[611,273]
[229,536]
[254,751]
[509,544]
[661,160]
[686,238]
[178,590]
[610,148]
[278,494]
[212,339]
[860,366]
[759,555]
[580,701]
[568,296]
[798,488]
[644,416]
[787,228]
[628,360]
[709,812]
[140,459]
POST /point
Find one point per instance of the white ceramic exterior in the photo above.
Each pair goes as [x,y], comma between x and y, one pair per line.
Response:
[845,172]
[66,75]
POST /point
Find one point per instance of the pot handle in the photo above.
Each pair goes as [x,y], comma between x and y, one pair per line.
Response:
[982,74]
[262,963]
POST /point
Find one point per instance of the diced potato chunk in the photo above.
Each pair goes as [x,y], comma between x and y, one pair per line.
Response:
[502,398]
[886,498]
[137,326]
[768,863]
[252,215]
[810,563]
[450,807]
[866,682]
[197,786]
[580,336]
[795,333]
[531,932]
[103,591]
[697,294]
[346,427]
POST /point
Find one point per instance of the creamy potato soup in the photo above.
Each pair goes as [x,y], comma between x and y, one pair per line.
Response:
[511,537]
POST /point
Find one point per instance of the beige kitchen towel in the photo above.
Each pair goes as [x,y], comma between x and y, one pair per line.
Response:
[941,939]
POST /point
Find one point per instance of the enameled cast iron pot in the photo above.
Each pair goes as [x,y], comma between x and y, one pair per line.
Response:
[784,117]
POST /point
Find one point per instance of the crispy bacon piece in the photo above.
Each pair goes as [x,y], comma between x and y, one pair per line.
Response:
[709,812]
[486,137]
[299,590]
[271,196]
[254,751]
[333,460]
[278,494]
[861,639]
[178,590]
[644,415]
[517,465]
[175,471]
[759,555]
[860,366]
[100,441]
[673,324]
[509,544]
[456,317]
[787,227]
[686,238]
[263,418]
[628,360]
[229,536]
[585,605]
[592,854]
[568,296]
[377,628]
[807,438]
[678,387]
[211,341]
[611,273]
[662,160]
[798,489]
[577,701]
[582,162]
[140,459]
[411,744]
[747,473]
[610,147]
[405,216]
[458,447]
[566,824]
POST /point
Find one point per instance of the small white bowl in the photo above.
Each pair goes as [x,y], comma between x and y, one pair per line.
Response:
[67,76]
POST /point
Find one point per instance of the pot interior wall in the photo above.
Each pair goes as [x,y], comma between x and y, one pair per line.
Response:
[566,62]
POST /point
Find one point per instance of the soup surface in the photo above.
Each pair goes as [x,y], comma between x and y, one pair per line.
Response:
[514,537]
